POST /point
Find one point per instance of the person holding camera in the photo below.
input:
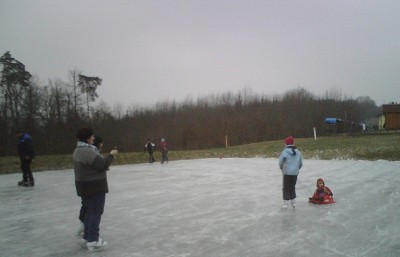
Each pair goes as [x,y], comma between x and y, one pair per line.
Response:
[91,185]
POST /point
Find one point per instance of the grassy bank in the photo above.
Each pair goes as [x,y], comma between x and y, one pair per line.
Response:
[363,147]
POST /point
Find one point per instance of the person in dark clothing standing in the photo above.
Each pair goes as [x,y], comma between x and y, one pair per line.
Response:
[164,151]
[149,147]
[91,185]
[26,155]
[98,143]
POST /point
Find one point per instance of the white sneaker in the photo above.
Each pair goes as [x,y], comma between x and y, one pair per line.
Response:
[80,230]
[285,204]
[97,245]
[293,203]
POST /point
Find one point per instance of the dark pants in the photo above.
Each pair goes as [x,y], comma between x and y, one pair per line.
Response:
[151,157]
[26,170]
[164,157]
[82,214]
[289,187]
[94,208]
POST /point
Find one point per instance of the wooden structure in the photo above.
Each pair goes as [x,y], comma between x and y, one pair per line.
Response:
[390,117]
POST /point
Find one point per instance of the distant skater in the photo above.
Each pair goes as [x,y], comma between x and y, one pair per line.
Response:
[26,155]
[149,148]
[290,162]
[164,151]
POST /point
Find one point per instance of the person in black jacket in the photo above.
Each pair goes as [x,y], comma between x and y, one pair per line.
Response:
[149,147]
[91,185]
[26,155]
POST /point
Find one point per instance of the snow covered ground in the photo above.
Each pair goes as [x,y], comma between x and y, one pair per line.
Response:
[210,208]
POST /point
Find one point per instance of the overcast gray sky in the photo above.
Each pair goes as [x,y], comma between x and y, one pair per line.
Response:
[148,51]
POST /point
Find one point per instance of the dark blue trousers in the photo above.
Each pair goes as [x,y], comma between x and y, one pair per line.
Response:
[26,170]
[82,214]
[94,208]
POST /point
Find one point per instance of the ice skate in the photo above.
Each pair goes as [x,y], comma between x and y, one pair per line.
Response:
[285,205]
[28,184]
[97,245]
[293,203]
[21,183]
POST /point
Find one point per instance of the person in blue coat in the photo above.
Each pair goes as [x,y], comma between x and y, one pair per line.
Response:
[290,163]
[26,155]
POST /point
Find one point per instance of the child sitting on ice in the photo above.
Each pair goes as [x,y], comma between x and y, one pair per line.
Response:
[322,195]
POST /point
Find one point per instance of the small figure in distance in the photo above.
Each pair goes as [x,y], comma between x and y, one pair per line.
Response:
[164,151]
[149,147]
[26,155]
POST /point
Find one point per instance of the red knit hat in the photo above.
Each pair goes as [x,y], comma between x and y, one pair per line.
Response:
[289,140]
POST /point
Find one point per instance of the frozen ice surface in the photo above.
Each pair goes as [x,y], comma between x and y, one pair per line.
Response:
[210,208]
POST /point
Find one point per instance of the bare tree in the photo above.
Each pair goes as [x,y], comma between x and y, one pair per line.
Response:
[102,111]
[117,110]
[31,102]
[75,92]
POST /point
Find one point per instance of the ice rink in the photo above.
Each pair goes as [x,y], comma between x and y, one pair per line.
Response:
[210,208]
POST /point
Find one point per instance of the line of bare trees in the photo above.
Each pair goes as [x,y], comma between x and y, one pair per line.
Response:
[51,112]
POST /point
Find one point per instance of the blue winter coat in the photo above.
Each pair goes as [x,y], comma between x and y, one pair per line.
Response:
[25,147]
[290,161]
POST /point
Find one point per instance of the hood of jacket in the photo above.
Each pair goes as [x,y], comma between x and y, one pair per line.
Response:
[291,149]
[320,179]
